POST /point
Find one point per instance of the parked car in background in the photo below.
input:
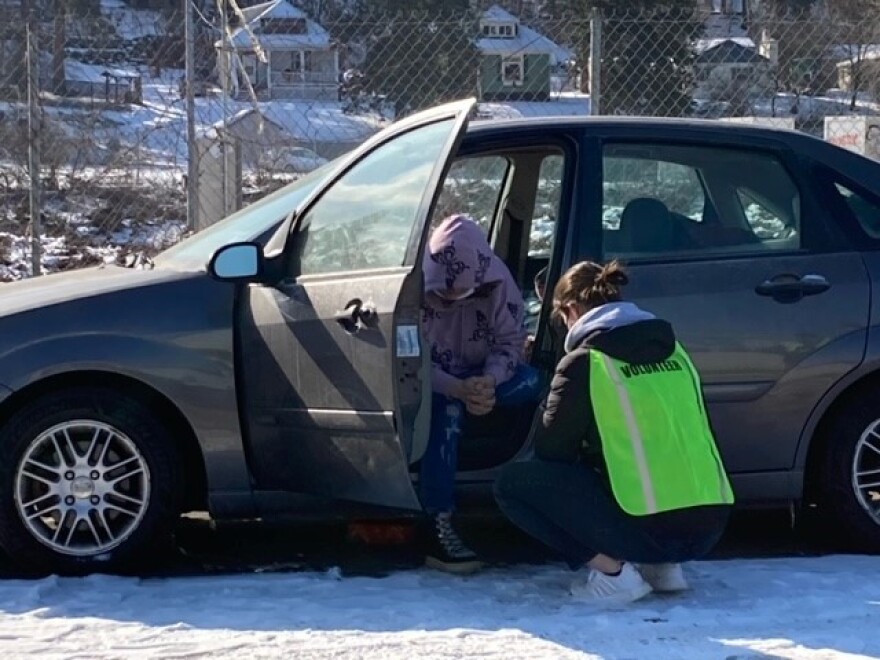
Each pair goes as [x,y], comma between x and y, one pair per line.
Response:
[273,365]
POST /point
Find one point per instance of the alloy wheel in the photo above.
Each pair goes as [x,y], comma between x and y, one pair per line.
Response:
[82,488]
[866,470]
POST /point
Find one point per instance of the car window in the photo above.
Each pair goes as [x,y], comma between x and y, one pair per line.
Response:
[767,223]
[547,202]
[473,186]
[365,219]
[866,211]
[689,201]
[678,186]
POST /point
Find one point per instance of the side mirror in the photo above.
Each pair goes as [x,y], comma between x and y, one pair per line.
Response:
[237,262]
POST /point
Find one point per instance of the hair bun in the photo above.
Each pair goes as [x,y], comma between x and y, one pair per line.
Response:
[612,273]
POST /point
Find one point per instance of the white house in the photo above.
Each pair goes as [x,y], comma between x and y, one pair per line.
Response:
[301,60]
[734,68]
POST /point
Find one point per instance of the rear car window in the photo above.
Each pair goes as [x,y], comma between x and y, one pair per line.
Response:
[866,211]
[696,202]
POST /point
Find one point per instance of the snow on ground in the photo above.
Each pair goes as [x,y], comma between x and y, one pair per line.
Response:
[86,246]
[807,608]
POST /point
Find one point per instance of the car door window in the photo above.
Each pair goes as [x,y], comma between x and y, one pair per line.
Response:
[866,211]
[365,219]
[628,178]
[688,201]
[766,222]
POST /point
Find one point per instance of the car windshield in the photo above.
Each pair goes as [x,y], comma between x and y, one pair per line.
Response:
[248,224]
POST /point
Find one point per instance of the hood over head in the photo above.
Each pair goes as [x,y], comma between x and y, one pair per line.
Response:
[458,256]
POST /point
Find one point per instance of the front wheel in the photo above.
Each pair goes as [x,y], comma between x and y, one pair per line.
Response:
[89,480]
[850,471]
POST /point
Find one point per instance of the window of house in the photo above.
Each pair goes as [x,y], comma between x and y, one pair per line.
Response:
[473,186]
[690,201]
[365,219]
[505,30]
[866,211]
[249,64]
[284,26]
[513,71]
[297,60]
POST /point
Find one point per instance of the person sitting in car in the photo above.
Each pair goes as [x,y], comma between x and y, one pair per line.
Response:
[473,324]
[626,466]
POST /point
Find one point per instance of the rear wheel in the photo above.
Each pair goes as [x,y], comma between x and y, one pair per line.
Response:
[89,480]
[850,472]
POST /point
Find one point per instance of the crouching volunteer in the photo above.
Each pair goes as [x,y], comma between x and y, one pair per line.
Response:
[627,479]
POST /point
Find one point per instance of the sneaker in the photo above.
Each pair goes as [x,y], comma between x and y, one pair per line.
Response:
[448,552]
[667,578]
[627,587]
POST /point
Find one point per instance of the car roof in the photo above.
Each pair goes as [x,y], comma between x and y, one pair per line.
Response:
[862,168]
[642,123]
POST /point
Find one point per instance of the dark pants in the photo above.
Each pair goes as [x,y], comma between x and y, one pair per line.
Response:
[569,508]
[439,464]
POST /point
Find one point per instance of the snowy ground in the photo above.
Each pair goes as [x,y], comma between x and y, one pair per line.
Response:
[808,608]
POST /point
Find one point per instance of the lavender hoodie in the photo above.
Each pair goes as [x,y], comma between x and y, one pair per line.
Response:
[483,332]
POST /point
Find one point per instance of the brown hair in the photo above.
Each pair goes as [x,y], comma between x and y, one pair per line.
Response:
[589,284]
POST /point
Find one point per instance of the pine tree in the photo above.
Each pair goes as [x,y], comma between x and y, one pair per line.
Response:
[419,52]
[647,53]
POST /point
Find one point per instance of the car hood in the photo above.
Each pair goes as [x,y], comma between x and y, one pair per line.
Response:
[59,288]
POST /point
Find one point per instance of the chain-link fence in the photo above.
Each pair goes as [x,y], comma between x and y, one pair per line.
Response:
[98,97]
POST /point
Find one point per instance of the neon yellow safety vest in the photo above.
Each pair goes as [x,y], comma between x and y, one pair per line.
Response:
[656,440]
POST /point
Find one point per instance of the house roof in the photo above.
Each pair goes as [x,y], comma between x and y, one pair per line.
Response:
[315,37]
[80,72]
[730,52]
[702,45]
[213,131]
[527,41]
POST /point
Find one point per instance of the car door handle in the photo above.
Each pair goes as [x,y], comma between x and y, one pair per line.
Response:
[357,315]
[790,288]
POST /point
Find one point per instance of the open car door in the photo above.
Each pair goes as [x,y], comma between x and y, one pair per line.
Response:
[334,375]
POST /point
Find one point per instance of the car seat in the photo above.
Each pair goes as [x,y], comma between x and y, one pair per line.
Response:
[646,226]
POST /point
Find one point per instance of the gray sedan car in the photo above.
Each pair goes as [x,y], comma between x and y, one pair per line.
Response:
[273,365]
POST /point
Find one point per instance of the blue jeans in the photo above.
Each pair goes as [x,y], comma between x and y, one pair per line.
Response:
[439,464]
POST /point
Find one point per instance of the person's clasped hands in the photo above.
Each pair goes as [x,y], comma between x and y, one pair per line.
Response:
[477,393]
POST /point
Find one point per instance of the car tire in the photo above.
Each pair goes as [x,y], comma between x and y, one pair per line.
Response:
[111,507]
[842,504]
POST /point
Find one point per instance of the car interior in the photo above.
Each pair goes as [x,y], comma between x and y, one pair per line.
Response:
[659,201]
[515,194]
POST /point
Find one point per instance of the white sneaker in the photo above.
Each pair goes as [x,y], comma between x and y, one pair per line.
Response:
[599,588]
[665,578]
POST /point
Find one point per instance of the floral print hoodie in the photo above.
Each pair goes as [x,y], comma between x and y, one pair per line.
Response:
[482,334]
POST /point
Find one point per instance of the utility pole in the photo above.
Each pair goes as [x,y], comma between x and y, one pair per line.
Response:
[192,176]
[226,51]
[596,62]
[34,121]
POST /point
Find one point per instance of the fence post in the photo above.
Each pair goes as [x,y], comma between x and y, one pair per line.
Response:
[595,61]
[33,93]
[192,152]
